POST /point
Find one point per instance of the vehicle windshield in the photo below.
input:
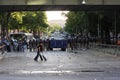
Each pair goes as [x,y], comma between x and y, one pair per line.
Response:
[17,36]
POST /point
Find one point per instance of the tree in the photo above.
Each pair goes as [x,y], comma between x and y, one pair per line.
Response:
[4,16]
[98,23]
[35,21]
[53,28]
[76,22]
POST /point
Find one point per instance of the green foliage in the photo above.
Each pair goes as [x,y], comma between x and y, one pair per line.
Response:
[98,23]
[53,28]
[15,20]
[93,17]
[73,22]
[1,17]
[28,20]
[18,16]
[35,21]
[85,21]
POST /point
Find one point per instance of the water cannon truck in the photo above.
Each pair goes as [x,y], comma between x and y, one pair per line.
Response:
[58,40]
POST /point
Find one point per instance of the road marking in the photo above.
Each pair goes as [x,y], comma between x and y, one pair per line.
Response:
[38,72]
[52,72]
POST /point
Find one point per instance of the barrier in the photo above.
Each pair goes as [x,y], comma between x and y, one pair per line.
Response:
[106,48]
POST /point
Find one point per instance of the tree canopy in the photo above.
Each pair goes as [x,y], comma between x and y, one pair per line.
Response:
[98,23]
[27,21]
[35,21]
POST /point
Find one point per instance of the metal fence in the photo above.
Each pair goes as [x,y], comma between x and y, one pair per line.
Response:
[106,48]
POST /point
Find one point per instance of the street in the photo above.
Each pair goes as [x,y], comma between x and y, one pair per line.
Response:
[60,65]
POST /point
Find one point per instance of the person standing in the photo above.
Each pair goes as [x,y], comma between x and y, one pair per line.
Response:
[40,53]
[30,45]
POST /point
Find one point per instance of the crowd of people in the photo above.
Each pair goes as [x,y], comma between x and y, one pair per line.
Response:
[21,45]
[73,41]
[81,41]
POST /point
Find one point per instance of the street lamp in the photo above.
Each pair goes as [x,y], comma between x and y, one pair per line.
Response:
[83,2]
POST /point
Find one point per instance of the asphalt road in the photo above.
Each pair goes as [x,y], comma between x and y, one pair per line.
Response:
[85,65]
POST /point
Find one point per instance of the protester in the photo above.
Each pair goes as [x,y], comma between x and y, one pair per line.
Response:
[40,53]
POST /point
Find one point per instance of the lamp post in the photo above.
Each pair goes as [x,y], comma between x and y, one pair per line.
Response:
[83,2]
[115,24]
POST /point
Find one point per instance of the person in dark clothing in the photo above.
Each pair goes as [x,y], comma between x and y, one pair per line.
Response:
[40,53]
[30,45]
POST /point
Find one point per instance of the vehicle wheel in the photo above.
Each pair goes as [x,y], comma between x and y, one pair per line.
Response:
[63,49]
[51,49]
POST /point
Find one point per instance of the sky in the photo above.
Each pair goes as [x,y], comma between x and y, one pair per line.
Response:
[55,15]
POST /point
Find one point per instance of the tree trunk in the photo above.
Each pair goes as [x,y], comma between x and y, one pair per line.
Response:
[4,25]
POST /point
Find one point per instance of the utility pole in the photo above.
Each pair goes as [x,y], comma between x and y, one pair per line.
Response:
[115,24]
[98,26]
